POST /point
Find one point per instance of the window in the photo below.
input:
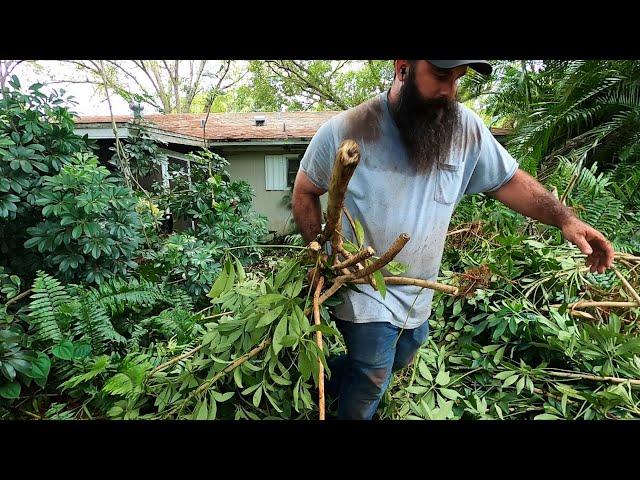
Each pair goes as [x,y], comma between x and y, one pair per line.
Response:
[280,171]
[293,163]
[275,170]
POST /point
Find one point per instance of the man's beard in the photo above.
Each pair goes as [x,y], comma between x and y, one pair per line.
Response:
[426,126]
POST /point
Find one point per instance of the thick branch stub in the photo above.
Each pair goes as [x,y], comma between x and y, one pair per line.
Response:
[389,255]
[345,164]
[358,257]
[315,247]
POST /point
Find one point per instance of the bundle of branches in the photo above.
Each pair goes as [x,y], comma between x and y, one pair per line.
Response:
[349,266]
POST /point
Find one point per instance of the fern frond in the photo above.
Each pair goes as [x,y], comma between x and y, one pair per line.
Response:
[47,298]
[93,324]
[603,213]
[117,295]
[173,322]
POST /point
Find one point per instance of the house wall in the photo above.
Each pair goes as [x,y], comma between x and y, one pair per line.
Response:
[250,166]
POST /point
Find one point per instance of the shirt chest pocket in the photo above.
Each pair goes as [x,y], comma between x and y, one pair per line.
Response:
[448,181]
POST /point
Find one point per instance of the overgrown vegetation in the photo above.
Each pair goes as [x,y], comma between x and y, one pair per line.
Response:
[204,323]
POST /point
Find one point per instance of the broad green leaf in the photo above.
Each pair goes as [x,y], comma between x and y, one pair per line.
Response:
[201,411]
[279,333]
[213,409]
[221,397]
[497,358]
[417,390]
[284,273]
[396,268]
[41,366]
[237,377]
[442,378]
[503,375]
[325,329]
[26,166]
[76,232]
[359,232]
[279,380]
[450,394]
[424,371]
[240,271]
[81,350]
[270,316]
[303,321]
[294,325]
[289,340]
[380,285]
[10,390]
[269,299]
[6,141]
[257,396]
[350,247]
[510,380]
[546,416]
[219,285]
[64,350]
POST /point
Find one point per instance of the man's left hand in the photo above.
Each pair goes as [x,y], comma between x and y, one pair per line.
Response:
[591,242]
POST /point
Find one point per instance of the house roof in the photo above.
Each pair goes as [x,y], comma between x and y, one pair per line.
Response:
[232,127]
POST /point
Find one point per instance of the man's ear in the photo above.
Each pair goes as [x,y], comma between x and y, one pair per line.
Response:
[401,67]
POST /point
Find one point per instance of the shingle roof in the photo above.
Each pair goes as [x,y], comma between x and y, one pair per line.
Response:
[232,126]
[237,126]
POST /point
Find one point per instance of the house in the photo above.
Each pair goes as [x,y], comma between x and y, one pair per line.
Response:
[262,148]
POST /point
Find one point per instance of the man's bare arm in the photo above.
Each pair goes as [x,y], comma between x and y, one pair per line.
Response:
[307,212]
[527,196]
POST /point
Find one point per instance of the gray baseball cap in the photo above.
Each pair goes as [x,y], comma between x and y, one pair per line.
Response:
[481,66]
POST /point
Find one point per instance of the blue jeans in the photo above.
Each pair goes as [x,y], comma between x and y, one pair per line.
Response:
[360,378]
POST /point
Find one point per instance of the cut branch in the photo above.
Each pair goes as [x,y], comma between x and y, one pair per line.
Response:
[418,283]
[358,257]
[351,222]
[586,376]
[585,304]
[316,321]
[19,297]
[389,255]
[345,164]
[167,364]
[206,385]
[627,285]
[581,314]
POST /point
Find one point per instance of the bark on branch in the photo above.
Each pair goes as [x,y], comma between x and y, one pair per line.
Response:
[345,164]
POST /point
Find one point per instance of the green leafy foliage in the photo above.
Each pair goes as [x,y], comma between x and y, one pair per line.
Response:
[36,139]
[91,229]
[210,326]
[221,209]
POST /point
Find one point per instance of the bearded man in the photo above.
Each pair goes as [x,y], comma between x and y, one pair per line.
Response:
[421,151]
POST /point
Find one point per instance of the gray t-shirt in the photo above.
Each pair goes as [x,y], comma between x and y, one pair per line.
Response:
[389,197]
